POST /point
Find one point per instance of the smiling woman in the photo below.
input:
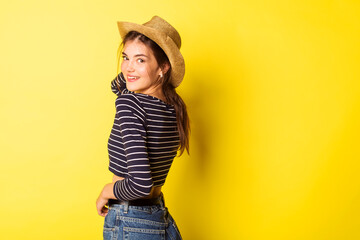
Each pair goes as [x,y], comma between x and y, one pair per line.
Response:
[140,68]
[151,124]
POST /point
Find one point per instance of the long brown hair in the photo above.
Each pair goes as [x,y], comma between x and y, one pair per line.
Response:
[182,117]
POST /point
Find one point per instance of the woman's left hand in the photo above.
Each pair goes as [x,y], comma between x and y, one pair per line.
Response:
[102,200]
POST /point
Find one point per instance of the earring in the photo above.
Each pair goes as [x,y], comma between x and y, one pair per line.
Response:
[161,75]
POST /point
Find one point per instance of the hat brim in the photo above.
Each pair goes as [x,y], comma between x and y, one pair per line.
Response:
[165,42]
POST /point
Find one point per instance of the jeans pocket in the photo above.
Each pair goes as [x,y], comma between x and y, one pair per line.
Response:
[108,233]
[131,233]
[110,219]
[172,231]
[110,228]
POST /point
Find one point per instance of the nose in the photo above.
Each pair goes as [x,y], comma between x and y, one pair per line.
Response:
[130,66]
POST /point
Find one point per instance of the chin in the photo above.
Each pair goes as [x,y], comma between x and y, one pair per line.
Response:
[132,89]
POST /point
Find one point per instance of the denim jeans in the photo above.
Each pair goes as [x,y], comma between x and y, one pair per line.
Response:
[140,222]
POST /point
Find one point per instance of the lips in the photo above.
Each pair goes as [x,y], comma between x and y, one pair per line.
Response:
[132,78]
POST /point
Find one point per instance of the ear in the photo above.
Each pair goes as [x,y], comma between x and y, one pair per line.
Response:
[165,67]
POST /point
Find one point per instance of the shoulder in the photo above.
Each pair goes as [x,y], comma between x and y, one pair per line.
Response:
[131,103]
[129,99]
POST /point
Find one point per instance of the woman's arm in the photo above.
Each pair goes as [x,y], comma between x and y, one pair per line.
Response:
[132,130]
[102,200]
[138,183]
[106,194]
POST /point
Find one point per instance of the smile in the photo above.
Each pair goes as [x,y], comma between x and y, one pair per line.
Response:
[132,79]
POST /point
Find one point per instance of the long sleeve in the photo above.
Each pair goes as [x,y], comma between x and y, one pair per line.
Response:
[119,80]
[132,129]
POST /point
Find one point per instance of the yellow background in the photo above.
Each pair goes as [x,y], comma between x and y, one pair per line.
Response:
[273,93]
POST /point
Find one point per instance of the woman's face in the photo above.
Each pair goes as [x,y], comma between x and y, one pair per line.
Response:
[139,67]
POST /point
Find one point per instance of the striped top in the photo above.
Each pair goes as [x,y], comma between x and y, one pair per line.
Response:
[143,141]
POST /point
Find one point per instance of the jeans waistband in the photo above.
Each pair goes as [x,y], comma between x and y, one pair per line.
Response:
[140,202]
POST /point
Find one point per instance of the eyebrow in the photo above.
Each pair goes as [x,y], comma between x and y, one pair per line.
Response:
[137,55]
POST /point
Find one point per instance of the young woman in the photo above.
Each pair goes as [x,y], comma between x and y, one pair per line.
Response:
[151,124]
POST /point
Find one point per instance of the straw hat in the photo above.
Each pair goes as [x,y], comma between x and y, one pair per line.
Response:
[166,36]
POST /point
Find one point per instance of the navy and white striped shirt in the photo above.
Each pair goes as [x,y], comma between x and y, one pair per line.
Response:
[143,142]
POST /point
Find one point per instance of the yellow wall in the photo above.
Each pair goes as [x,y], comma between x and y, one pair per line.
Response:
[273,93]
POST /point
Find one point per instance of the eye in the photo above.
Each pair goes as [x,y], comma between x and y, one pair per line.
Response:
[123,57]
[141,60]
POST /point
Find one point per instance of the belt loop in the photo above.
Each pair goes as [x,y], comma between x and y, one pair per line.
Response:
[126,206]
[166,212]
[162,199]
